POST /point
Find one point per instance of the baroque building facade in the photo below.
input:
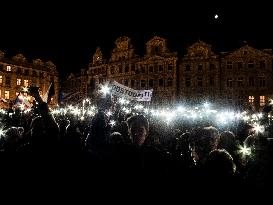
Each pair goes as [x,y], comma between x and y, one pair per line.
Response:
[155,70]
[239,78]
[17,72]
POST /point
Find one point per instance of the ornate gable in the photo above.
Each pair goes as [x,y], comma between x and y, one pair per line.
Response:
[248,52]
[156,46]
[200,49]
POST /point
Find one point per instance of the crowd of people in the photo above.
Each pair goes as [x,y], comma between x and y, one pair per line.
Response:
[137,148]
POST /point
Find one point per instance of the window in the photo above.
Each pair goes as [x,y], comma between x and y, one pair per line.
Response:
[26,72]
[8,68]
[262,81]
[142,69]
[112,71]
[25,83]
[240,81]
[199,82]
[143,83]
[8,81]
[132,83]
[151,69]
[127,68]
[34,73]
[161,82]
[151,83]
[19,71]
[18,81]
[170,67]
[170,82]
[211,81]
[251,99]
[262,64]
[120,69]
[200,67]
[245,52]
[99,70]
[211,66]
[229,82]
[188,68]
[251,64]
[1,79]
[188,82]
[126,82]
[262,100]
[229,65]
[240,65]
[251,81]
[6,94]
[229,99]
[160,68]
[240,100]
[133,67]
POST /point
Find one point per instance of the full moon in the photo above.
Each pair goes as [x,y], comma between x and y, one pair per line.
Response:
[216,16]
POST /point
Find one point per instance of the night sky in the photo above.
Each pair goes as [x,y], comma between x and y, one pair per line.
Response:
[68,34]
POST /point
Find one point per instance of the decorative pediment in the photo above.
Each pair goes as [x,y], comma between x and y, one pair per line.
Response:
[19,58]
[2,54]
[156,46]
[38,62]
[122,44]
[200,49]
[248,51]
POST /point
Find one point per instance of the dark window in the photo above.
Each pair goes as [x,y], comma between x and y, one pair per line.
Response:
[160,68]
[151,83]
[161,82]
[251,64]
[26,72]
[188,82]
[188,68]
[251,81]
[262,64]
[126,68]
[245,52]
[212,66]
[200,67]
[7,81]
[143,83]
[126,82]
[151,69]
[34,73]
[170,82]
[211,81]
[142,69]
[170,67]
[240,65]
[133,67]
[120,69]
[229,82]
[262,81]
[19,71]
[112,71]
[240,81]
[132,83]
[229,65]
[199,82]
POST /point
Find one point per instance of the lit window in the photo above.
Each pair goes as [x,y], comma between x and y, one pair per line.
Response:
[251,100]
[1,79]
[8,68]
[17,93]
[25,83]
[6,94]
[18,82]
[262,100]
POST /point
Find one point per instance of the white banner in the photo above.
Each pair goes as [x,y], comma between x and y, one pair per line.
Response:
[129,93]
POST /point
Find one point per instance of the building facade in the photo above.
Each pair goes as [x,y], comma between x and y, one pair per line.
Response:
[239,78]
[17,72]
[155,70]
